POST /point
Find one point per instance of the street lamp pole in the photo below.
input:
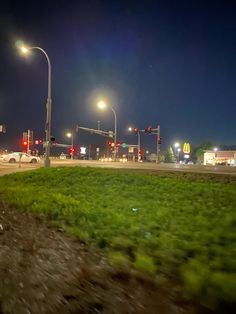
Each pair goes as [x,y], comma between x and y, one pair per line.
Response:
[176,145]
[72,144]
[139,137]
[101,104]
[48,105]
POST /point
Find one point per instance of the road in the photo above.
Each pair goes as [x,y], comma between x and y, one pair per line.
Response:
[6,168]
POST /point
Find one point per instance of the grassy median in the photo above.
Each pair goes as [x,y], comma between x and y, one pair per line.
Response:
[182,226]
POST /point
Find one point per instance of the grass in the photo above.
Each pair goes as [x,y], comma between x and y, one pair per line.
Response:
[182,226]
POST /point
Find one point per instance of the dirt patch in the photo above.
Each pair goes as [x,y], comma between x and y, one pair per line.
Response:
[43,270]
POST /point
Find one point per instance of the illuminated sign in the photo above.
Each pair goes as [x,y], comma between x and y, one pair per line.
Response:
[186,148]
[82,150]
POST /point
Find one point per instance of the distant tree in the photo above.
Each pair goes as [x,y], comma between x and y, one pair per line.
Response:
[198,152]
[169,156]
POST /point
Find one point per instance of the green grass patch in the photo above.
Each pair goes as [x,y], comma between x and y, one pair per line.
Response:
[178,225]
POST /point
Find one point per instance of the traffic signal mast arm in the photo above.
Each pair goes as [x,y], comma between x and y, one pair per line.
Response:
[96,131]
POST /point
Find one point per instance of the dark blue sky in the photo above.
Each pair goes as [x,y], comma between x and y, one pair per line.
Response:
[171,63]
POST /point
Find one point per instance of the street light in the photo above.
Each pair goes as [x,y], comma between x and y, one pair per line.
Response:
[176,145]
[70,135]
[102,105]
[178,152]
[25,50]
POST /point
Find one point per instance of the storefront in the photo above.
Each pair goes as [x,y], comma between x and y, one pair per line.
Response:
[226,158]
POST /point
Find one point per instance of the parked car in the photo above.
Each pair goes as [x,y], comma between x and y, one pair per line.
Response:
[15,157]
[190,162]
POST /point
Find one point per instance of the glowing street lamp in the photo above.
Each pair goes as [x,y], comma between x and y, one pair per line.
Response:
[25,50]
[176,145]
[215,149]
[102,105]
[70,135]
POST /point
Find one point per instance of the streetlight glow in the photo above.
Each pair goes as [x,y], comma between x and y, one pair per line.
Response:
[69,134]
[24,50]
[176,145]
[101,104]
[130,129]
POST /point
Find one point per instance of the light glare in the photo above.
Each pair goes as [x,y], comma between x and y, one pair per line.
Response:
[24,50]
[101,104]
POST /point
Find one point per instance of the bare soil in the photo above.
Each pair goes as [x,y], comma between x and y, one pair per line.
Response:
[44,270]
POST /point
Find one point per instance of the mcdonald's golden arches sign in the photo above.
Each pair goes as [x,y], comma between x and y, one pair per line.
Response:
[186,148]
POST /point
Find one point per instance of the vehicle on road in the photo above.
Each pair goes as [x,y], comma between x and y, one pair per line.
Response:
[23,157]
[190,162]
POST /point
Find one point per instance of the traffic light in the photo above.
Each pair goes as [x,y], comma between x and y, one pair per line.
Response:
[118,144]
[148,130]
[71,150]
[136,130]
[52,139]
[24,143]
[109,143]
[140,152]
[159,140]
[37,142]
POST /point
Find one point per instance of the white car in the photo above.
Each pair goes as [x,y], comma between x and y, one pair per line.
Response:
[15,157]
[190,162]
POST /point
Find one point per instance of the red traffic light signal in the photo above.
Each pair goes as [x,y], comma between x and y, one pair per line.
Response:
[109,143]
[140,152]
[24,143]
[118,144]
[38,142]
[136,130]
[71,150]
[148,130]
[159,140]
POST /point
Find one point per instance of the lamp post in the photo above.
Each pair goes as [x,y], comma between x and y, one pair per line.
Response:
[176,145]
[178,152]
[26,50]
[70,135]
[102,105]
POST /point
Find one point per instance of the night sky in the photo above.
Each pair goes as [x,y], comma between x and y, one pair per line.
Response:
[171,63]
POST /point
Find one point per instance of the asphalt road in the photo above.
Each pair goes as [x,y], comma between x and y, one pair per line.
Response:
[6,168]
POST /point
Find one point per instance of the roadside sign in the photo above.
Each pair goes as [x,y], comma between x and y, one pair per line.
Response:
[186,148]
[3,128]
[82,150]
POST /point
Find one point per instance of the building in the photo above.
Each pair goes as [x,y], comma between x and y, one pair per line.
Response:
[226,158]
